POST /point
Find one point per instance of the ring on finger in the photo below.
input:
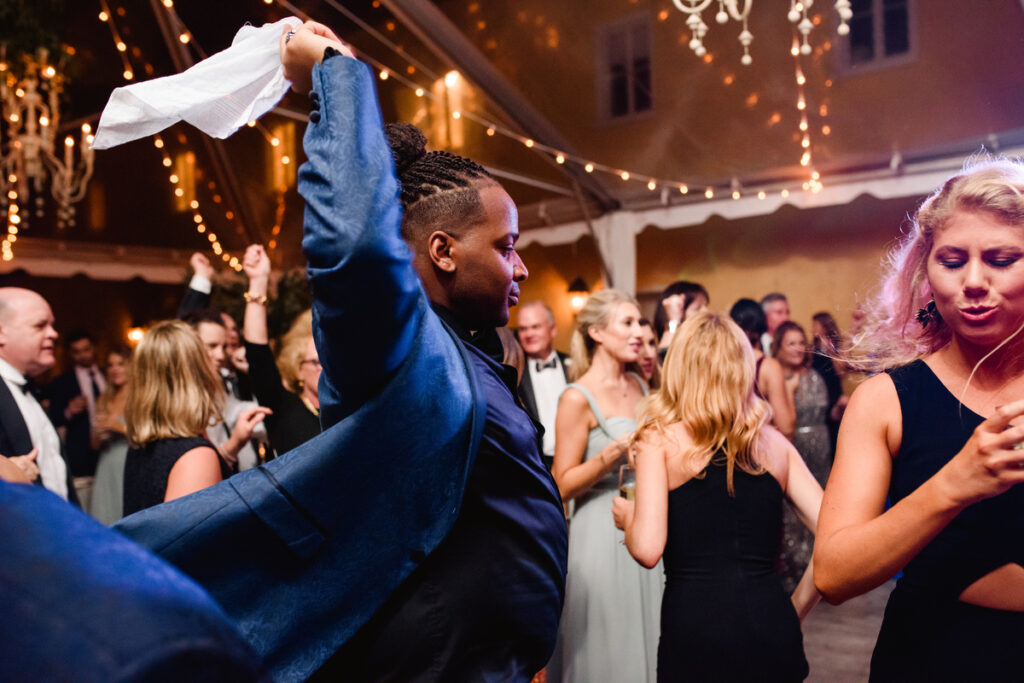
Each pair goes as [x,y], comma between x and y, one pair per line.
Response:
[288,36]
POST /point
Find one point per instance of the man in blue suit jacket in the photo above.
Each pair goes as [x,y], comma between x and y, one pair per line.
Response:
[421,530]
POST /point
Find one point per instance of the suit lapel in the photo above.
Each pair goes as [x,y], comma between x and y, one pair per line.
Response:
[12,424]
[526,392]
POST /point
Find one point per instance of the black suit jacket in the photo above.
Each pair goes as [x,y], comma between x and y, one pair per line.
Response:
[14,437]
[526,385]
[77,439]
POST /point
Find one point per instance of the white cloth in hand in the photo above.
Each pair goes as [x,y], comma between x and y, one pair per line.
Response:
[218,95]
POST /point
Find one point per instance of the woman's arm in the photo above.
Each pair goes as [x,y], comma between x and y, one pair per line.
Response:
[805,495]
[263,372]
[772,384]
[646,525]
[359,268]
[859,547]
[194,471]
[572,475]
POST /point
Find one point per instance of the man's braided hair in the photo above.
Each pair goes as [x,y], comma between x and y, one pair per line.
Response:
[439,190]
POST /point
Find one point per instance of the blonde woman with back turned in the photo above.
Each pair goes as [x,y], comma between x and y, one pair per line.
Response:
[711,478]
[938,434]
[609,629]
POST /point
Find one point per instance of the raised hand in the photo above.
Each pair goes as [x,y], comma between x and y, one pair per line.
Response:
[201,265]
[991,461]
[303,47]
[256,263]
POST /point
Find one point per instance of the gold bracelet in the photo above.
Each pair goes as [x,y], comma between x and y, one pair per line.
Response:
[260,299]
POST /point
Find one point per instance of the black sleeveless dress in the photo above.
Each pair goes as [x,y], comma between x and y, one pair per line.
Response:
[146,470]
[927,633]
[724,615]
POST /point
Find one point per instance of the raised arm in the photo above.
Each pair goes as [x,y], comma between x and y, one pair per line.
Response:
[361,272]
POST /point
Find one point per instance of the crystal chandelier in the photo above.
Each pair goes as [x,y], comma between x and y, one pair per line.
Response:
[733,9]
[30,160]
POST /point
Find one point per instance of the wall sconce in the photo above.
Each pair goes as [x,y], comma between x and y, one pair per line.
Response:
[135,335]
[578,293]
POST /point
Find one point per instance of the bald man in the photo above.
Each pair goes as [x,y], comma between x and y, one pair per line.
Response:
[27,339]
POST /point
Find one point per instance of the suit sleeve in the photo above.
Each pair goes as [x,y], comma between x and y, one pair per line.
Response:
[367,299]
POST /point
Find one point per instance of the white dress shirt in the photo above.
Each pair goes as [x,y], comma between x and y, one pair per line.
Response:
[52,469]
[548,385]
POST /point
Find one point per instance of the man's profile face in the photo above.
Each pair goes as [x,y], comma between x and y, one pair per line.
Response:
[536,332]
[489,269]
[27,335]
[82,353]
[214,338]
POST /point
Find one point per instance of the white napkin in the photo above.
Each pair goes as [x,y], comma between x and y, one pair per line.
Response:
[218,95]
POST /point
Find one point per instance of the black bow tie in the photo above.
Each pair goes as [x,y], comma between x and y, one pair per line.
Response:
[28,387]
[550,365]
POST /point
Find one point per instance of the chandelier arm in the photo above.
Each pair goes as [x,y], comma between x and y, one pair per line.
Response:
[693,9]
[733,7]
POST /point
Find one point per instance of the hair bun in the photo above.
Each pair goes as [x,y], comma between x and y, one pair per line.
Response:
[408,144]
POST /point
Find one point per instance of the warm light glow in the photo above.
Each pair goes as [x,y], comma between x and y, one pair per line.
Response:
[528,142]
[44,121]
[194,204]
[197,218]
[104,16]
[69,141]
[451,78]
[286,160]
[201,228]
[184,38]
[12,178]
[801,104]
[121,47]
[230,215]
[128,75]
[174,178]
[158,143]
[826,130]
[275,142]
[12,195]
[419,92]
[167,162]
[805,143]
[761,194]
[490,132]
[272,244]
[589,168]
[683,189]
[14,218]
[226,257]
[735,194]
[651,185]
[577,301]
[624,175]
[212,237]
[803,124]
[135,335]
[383,75]
[560,159]
[456,114]
[709,193]
[178,192]
[784,193]
[251,124]
[815,175]
[805,160]
[168,4]
[49,72]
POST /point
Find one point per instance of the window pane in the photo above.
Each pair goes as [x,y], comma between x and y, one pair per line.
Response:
[641,84]
[618,91]
[862,32]
[896,25]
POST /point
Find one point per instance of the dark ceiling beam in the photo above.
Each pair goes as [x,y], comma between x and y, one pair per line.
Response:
[215,151]
[448,43]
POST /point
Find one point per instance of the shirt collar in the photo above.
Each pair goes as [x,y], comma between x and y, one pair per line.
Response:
[485,340]
[8,372]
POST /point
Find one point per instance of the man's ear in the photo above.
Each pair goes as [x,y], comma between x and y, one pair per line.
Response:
[440,246]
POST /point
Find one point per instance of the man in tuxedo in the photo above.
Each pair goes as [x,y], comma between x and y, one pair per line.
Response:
[547,370]
[27,338]
[776,312]
[73,399]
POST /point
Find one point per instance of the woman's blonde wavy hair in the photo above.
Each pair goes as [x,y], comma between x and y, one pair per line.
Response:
[597,312]
[891,334]
[293,348]
[707,385]
[172,392]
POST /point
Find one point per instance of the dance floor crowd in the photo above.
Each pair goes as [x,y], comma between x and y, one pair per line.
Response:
[461,501]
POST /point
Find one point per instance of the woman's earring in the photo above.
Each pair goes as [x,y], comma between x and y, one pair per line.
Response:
[928,314]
